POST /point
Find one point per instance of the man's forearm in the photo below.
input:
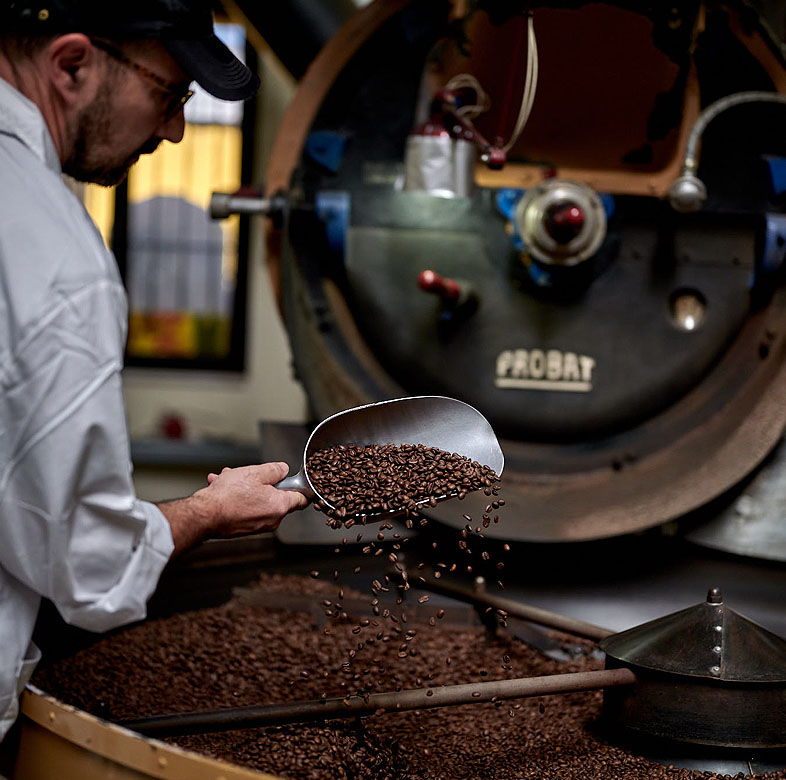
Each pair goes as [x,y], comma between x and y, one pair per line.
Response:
[189,521]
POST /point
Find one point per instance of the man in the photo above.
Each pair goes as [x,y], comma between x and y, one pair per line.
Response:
[86,87]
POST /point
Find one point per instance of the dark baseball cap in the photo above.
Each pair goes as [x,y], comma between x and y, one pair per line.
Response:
[184,27]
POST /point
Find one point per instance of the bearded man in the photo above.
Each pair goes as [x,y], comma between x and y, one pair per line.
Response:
[86,87]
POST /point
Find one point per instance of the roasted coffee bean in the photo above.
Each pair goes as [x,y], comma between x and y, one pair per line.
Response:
[358,481]
[239,655]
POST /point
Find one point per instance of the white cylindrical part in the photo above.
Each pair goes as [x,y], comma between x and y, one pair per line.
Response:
[439,165]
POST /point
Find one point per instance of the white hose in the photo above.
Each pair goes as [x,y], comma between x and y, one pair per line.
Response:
[530,85]
[468,81]
[691,161]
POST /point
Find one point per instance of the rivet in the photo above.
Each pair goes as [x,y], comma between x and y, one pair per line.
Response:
[718,628]
[717,649]
[162,761]
[43,15]
[51,716]
[715,670]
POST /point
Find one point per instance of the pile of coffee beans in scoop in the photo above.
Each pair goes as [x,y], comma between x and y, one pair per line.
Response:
[358,481]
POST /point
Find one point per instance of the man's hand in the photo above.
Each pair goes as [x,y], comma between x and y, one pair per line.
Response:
[236,502]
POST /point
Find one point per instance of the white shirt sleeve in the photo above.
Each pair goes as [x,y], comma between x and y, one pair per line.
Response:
[73,529]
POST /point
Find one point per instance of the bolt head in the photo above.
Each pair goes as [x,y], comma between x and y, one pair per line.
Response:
[714,596]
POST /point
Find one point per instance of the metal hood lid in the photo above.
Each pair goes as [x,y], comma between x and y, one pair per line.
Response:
[708,640]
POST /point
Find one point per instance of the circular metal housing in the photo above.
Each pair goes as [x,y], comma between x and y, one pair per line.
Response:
[614,415]
[535,220]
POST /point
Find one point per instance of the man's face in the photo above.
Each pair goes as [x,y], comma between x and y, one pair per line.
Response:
[95,158]
[125,120]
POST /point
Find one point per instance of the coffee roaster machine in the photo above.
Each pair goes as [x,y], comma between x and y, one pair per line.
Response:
[571,216]
[568,215]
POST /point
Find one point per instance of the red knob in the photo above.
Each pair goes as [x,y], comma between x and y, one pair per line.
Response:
[173,426]
[447,289]
[564,222]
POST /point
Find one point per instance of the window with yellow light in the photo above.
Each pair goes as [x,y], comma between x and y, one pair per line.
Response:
[184,272]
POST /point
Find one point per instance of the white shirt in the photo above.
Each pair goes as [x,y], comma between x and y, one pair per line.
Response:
[71,527]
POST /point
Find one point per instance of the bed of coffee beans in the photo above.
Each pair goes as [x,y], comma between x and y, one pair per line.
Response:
[358,481]
[242,654]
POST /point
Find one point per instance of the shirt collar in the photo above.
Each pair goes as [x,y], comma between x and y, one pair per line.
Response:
[21,118]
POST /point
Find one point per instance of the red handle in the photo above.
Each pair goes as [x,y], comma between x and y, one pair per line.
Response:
[564,222]
[447,289]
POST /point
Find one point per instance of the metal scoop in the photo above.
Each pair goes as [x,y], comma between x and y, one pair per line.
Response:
[431,420]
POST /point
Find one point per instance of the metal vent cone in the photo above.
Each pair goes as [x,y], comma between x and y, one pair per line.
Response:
[708,640]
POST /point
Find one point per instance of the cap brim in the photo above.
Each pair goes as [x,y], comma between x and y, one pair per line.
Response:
[210,63]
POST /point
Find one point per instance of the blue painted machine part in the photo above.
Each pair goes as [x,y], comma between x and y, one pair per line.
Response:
[773,246]
[777,170]
[507,198]
[326,148]
[332,207]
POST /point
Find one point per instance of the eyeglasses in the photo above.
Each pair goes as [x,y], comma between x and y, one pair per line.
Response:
[179,94]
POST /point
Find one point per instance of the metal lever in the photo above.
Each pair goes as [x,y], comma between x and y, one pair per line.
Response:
[542,617]
[448,290]
[225,204]
[458,299]
[207,721]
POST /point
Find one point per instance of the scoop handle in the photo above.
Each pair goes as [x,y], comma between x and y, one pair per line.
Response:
[298,483]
